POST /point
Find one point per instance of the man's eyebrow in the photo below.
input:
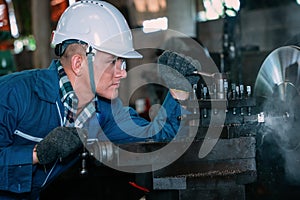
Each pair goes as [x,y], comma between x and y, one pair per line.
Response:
[112,57]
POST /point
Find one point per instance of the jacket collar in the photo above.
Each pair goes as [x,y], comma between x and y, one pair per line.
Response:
[47,83]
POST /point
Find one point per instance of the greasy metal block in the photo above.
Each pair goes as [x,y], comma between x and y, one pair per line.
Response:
[228,191]
[169,183]
[226,168]
[225,149]
[232,158]
[243,147]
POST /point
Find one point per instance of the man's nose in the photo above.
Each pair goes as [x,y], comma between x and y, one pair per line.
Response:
[120,71]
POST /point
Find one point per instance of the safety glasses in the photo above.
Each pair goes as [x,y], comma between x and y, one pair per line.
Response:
[118,60]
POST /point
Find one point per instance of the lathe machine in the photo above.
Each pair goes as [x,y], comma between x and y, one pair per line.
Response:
[243,141]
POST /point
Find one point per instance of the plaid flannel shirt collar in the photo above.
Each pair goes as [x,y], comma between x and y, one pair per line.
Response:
[65,87]
[70,101]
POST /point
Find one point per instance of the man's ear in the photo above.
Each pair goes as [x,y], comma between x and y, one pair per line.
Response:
[76,63]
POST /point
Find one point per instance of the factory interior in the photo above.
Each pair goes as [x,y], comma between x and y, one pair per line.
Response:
[243,138]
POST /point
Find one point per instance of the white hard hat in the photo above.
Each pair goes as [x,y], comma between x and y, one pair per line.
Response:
[100,25]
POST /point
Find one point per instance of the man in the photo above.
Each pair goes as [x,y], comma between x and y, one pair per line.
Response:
[44,112]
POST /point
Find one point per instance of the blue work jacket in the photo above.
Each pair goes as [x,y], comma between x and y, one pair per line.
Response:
[30,108]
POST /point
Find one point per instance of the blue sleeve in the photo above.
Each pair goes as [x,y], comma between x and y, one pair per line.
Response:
[15,160]
[123,124]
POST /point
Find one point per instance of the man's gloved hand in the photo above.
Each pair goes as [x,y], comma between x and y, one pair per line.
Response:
[185,67]
[60,143]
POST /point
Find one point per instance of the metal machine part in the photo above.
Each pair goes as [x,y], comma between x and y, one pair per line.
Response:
[222,106]
[102,151]
[277,93]
[271,107]
[279,75]
[278,140]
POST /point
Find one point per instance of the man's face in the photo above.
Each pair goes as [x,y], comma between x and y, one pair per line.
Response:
[108,74]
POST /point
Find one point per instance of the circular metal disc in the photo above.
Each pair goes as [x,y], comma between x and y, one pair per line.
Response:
[279,75]
[277,93]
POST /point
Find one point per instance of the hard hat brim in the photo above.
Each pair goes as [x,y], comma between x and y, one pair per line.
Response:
[131,54]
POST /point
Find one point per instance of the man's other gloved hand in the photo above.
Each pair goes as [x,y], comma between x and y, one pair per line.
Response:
[186,66]
[60,143]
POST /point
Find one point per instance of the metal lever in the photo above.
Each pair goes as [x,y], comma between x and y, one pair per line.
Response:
[84,155]
[204,74]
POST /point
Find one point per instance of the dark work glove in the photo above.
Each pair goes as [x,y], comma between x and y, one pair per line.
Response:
[177,69]
[60,143]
